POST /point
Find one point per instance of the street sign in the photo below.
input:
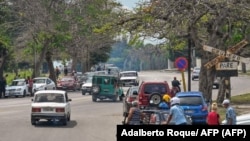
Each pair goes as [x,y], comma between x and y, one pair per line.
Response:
[227,54]
[215,61]
[227,66]
[181,63]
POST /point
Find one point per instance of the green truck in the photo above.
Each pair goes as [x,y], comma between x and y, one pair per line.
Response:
[106,87]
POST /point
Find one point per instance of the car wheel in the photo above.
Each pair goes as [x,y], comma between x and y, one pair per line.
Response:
[83,93]
[120,98]
[94,98]
[33,121]
[68,117]
[24,93]
[114,98]
[155,99]
[64,121]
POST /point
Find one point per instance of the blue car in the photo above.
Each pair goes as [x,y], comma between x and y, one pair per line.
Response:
[194,105]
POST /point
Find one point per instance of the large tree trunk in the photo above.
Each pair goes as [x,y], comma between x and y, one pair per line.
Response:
[38,62]
[52,74]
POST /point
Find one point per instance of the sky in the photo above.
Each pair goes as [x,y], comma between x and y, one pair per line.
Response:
[128,3]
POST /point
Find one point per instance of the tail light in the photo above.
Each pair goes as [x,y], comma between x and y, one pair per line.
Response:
[36,109]
[204,108]
[60,110]
[130,99]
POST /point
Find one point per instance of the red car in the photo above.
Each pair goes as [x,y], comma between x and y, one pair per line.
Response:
[68,83]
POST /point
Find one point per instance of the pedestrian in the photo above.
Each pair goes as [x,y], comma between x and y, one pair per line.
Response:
[3,83]
[230,113]
[176,84]
[30,85]
[135,115]
[213,118]
[57,72]
[176,113]
[165,104]
[65,71]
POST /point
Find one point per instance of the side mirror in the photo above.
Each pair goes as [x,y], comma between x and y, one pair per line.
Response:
[69,99]
[32,99]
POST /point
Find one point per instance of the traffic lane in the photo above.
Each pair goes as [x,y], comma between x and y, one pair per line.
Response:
[89,121]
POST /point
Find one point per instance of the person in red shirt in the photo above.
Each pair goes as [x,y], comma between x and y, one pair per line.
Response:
[213,118]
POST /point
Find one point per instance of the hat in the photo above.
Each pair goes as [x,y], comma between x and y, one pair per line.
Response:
[166,98]
[226,101]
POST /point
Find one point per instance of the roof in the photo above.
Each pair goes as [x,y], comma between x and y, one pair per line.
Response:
[40,77]
[21,79]
[128,71]
[51,91]
[189,93]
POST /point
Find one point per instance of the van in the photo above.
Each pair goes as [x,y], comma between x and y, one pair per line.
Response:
[106,87]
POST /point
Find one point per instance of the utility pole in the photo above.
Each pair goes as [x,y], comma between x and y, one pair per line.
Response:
[189,61]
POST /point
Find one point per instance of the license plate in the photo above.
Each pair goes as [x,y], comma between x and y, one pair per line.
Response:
[48,109]
[189,111]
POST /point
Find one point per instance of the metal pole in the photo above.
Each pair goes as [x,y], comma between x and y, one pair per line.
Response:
[189,62]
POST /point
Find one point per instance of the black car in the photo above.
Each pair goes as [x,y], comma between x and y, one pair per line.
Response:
[129,97]
[158,117]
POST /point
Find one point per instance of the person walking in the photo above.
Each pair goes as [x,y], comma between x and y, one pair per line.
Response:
[176,113]
[213,118]
[176,83]
[65,71]
[135,115]
[3,83]
[57,72]
[230,113]
[30,85]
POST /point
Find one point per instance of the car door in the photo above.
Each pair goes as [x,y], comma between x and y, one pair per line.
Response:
[67,102]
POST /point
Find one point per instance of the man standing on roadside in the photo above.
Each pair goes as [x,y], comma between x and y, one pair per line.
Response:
[230,113]
[30,85]
[3,83]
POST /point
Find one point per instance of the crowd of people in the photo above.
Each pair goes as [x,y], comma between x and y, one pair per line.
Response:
[176,113]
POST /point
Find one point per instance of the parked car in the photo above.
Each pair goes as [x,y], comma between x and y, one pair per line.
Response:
[87,86]
[68,83]
[106,87]
[196,75]
[43,83]
[240,120]
[129,97]
[129,78]
[151,93]
[194,105]
[17,88]
[51,105]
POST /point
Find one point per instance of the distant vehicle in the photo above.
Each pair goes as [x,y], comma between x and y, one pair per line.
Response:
[194,105]
[43,83]
[113,71]
[68,83]
[17,88]
[106,87]
[241,120]
[51,105]
[129,97]
[87,86]
[152,90]
[129,78]
[196,75]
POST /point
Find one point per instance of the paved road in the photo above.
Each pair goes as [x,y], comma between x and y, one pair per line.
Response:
[90,121]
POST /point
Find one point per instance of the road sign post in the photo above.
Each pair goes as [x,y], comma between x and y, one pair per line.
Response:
[182,63]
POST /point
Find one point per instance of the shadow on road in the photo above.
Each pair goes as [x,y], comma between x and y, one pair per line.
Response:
[55,124]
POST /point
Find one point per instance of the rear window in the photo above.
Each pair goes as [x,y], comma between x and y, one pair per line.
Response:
[155,88]
[49,97]
[185,100]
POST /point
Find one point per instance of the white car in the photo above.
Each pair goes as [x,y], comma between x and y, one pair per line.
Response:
[17,88]
[129,78]
[87,86]
[51,105]
[241,120]
[43,83]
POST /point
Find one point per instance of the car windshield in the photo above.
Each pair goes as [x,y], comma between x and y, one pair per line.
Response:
[18,83]
[194,100]
[128,74]
[49,97]
[67,79]
[155,88]
[39,81]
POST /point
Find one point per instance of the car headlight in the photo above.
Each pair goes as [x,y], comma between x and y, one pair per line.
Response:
[43,86]
[19,89]
[84,87]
